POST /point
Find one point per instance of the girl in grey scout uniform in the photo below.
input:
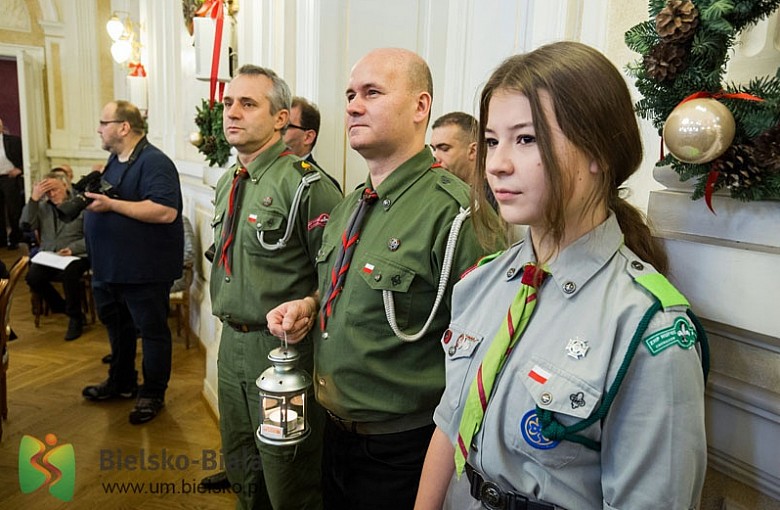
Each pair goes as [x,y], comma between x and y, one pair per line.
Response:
[597,402]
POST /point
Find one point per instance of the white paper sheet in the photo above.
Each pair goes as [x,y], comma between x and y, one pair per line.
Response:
[51,259]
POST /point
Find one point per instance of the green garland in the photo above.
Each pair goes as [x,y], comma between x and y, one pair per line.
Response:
[213,144]
[698,61]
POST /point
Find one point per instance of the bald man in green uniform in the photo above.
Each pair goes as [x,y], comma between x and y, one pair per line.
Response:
[377,374]
[259,263]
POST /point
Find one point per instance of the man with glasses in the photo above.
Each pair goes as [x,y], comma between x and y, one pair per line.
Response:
[303,130]
[135,241]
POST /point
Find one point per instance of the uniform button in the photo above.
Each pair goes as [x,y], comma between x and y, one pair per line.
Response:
[637,265]
[321,381]
[546,398]
[569,287]
[386,203]
[325,335]
[377,277]
[452,350]
[227,279]
[510,272]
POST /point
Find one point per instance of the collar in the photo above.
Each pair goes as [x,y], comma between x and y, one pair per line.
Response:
[579,261]
[403,177]
[263,161]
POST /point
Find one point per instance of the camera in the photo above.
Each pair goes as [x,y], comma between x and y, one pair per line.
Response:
[93,182]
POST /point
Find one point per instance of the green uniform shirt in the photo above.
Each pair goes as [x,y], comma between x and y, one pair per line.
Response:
[261,278]
[363,372]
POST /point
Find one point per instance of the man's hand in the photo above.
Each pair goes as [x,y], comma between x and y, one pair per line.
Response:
[296,318]
[15,172]
[40,189]
[65,252]
[100,202]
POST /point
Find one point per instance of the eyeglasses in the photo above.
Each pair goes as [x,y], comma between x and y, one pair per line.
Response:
[298,127]
[107,122]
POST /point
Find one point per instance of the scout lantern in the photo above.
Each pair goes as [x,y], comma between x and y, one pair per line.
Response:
[283,399]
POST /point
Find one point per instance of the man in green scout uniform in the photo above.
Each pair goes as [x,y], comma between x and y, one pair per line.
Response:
[378,382]
[259,263]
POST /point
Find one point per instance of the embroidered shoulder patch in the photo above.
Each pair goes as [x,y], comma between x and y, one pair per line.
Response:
[680,333]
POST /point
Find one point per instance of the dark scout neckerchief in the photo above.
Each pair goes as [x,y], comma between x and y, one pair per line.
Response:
[340,267]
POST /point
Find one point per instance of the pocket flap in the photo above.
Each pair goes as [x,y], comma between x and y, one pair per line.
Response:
[382,274]
[559,391]
[265,221]
[460,343]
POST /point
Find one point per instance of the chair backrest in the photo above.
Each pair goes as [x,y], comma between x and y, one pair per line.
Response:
[3,299]
[6,296]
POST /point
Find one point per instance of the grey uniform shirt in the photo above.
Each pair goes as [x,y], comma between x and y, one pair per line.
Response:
[653,448]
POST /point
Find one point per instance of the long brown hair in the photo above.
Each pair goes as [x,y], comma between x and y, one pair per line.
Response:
[593,108]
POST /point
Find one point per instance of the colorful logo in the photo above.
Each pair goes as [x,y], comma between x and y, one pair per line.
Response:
[532,432]
[55,468]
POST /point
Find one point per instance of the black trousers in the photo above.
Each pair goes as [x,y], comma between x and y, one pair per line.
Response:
[377,471]
[39,278]
[11,203]
[128,311]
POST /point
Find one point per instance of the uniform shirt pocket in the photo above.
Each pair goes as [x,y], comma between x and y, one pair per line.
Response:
[570,399]
[378,274]
[460,346]
[268,225]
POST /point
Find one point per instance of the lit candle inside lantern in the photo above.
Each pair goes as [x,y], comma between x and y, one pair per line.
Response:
[276,416]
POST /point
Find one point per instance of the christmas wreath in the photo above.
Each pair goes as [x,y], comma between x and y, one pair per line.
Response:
[210,139]
[723,135]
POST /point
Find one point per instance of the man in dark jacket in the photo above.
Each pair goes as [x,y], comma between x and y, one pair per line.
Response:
[11,165]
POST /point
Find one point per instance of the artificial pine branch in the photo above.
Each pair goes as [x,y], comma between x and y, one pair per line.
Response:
[720,22]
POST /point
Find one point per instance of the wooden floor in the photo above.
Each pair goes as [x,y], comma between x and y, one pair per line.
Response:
[45,379]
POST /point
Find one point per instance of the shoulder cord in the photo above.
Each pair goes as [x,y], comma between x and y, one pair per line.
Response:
[446,268]
[306,181]
[552,428]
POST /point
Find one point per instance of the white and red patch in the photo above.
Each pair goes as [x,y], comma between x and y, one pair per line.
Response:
[252,218]
[539,374]
[368,268]
[318,222]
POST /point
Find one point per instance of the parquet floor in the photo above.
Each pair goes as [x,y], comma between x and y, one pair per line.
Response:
[45,378]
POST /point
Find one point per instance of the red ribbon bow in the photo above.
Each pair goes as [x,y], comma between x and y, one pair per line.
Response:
[214,9]
[137,69]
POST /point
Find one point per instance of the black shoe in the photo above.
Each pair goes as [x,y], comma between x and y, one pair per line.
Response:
[107,359]
[75,328]
[217,481]
[145,410]
[106,390]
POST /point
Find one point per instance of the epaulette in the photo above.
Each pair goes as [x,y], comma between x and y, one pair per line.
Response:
[654,282]
[304,167]
[481,262]
[452,185]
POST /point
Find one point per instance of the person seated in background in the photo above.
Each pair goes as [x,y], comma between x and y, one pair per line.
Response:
[189,255]
[63,238]
[65,170]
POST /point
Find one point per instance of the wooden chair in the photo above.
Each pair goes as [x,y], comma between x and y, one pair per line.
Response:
[7,287]
[180,304]
[40,308]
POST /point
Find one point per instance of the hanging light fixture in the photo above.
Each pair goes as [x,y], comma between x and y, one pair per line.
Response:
[121,50]
[115,27]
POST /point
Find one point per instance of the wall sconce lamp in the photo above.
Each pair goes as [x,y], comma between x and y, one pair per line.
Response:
[120,29]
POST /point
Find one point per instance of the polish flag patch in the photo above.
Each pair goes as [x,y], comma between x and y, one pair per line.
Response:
[368,268]
[252,218]
[539,374]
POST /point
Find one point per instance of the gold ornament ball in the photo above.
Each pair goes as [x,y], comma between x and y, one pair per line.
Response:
[196,138]
[699,130]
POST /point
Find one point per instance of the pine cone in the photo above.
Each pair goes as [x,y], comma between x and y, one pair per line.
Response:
[677,21]
[665,61]
[765,149]
[738,170]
